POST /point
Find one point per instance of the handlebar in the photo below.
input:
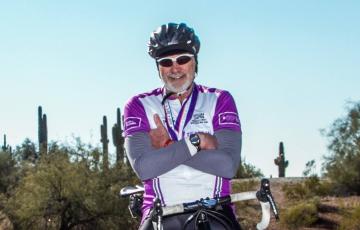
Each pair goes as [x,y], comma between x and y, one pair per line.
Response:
[130,190]
[210,203]
[263,195]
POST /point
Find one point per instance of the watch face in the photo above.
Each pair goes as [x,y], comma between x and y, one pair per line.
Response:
[195,139]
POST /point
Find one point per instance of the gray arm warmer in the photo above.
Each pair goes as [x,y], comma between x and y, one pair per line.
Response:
[148,162]
[223,161]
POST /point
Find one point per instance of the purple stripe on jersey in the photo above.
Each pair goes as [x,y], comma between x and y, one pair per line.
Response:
[225,187]
[149,196]
[155,92]
[145,214]
[192,106]
[170,130]
[180,116]
[222,187]
[201,88]
[204,89]
[215,188]
[219,186]
[159,191]
[152,190]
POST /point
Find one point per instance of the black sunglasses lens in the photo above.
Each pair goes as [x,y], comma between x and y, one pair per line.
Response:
[166,62]
[183,60]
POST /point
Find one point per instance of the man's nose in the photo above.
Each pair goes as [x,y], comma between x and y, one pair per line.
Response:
[175,68]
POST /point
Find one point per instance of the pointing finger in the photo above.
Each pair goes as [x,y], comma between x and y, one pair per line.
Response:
[157,120]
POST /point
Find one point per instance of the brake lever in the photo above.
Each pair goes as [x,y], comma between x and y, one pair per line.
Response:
[264,195]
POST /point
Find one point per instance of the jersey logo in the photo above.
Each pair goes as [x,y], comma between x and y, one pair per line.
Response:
[199,118]
[132,122]
[229,118]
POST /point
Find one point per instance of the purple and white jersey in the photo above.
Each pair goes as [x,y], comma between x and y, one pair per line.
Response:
[205,110]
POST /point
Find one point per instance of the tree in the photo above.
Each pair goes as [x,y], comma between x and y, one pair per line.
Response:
[247,170]
[310,168]
[26,151]
[61,193]
[342,165]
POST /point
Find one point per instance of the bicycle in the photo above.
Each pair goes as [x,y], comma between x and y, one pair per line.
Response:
[203,208]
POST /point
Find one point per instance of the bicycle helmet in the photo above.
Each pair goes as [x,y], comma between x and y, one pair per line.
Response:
[173,38]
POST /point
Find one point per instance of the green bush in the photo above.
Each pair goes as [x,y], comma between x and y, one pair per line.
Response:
[311,187]
[319,187]
[352,221]
[303,214]
[295,191]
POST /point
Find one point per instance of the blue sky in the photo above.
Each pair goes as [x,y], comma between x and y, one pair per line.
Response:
[290,65]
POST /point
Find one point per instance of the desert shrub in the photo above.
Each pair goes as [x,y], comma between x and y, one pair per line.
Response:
[309,188]
[245,185]
[296,191]
[303,214]
[351,221]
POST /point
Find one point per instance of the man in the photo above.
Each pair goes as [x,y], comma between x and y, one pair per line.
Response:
[183,140]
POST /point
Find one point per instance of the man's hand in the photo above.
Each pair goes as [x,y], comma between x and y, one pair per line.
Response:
[158,136]
[207,141]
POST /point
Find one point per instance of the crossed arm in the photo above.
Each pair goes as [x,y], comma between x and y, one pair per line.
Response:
[219,155]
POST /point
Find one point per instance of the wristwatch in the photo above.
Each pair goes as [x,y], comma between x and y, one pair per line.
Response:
[195,141]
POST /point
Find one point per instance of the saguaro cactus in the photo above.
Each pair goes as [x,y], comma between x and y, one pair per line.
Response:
[105,143]
[118,139]
[5,147]
[280,161]
[42,132]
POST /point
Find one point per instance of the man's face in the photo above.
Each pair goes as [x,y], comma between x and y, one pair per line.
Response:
[177,75]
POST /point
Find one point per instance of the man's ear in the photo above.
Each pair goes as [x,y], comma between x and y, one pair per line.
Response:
[157,66]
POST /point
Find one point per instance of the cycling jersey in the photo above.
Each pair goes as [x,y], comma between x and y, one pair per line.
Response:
[206,110]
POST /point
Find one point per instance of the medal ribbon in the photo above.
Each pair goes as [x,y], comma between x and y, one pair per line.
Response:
[174,133]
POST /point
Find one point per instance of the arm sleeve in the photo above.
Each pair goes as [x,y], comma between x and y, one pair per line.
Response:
[148,162]
[225,160]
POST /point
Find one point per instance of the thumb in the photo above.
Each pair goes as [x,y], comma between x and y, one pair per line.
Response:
[157,120]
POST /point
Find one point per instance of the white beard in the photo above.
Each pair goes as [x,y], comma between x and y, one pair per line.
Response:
[180,89]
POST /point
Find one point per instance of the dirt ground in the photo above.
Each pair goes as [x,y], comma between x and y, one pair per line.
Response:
[5,223]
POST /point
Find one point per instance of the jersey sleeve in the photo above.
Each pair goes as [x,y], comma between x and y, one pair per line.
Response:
[135,119]
[226,115]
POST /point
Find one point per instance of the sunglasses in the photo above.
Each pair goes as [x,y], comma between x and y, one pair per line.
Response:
[180,60]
